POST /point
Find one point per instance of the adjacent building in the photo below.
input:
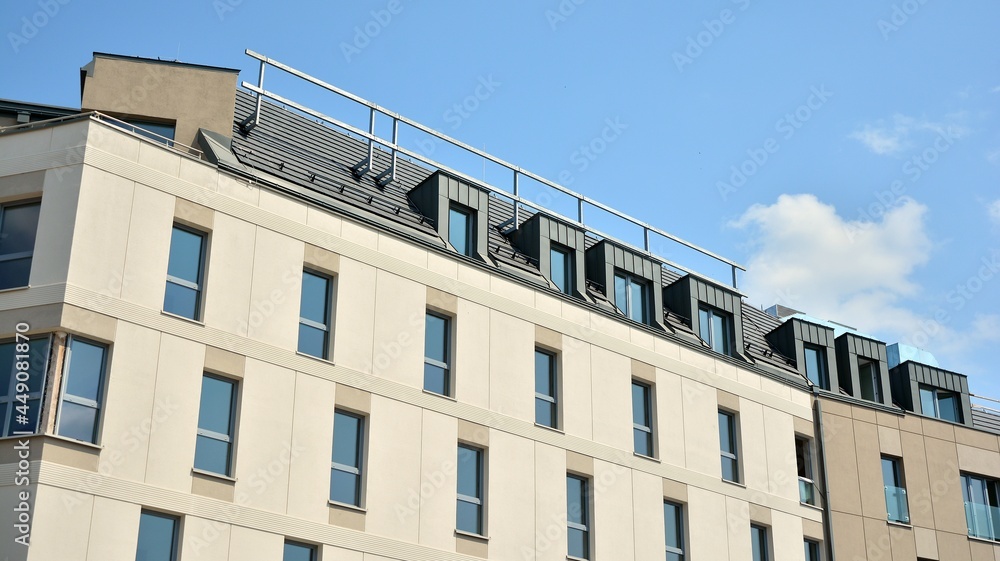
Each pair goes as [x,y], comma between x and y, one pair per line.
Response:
[242,329]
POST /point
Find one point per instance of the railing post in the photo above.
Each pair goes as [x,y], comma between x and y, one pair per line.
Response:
[517,198]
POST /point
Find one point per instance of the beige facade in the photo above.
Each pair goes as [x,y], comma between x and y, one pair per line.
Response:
[109,200]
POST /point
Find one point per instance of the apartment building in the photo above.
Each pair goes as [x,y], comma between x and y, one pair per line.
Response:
[241,329]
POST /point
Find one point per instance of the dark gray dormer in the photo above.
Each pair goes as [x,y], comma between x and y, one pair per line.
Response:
[862,369]
[458,210]
[559,250]
[629,280]
[932,392]
[715,312]
[812,347]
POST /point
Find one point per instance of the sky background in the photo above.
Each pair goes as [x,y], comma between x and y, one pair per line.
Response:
[847,153]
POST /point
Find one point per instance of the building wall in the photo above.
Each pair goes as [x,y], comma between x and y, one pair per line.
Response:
[933,454]
[106,218]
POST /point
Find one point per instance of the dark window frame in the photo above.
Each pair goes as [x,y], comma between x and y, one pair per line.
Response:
[989,488]
[327,326]
[478,502]
[230,438]
[677,552]
[446,366]
[357,471]
[937,394]
[9,403]
[645,305]
[65,397]
[648,429]
[763,550]
[898,492]
[312,549]
[470,228]
[585,514]
[4,258]
[806,469]
[567,268]
[870,366]
[706,329]
[175,531]
[553,382]
[733,453]
[823,376]
[199,285]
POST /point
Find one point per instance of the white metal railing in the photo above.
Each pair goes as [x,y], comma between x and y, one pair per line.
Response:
[513,194]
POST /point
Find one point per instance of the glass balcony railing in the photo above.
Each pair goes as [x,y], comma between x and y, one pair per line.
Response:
[983,521]
[895,504]
[807,491]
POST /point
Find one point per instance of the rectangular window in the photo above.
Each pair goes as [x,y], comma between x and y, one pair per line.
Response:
[642,419]
[631,297]
[895,490]
[546,404]
[437,354]
[871,383]
[158,132]
[804,464]
[716,329]
[23,364]
[346,463]
[185,273]
[561,268]
[314,315]
[18,225]
[157,537]
[811,550]
[469,513]
[461,229]
[578,516]
[216,423]
[673,529]
[816,367]
[295,551]
[727,443]
[942,404]
[982,506]
[82,389]
[759,543]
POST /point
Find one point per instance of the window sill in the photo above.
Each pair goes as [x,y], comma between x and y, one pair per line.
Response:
[57,438]
[548,428]
[182,318]
[209,474]
[813,507]
[314,357]
[470,535]
[441,395]
[14,289]
[736,483]
[983,540]
[571,558]
[345,506]
[899,524]
[645,457]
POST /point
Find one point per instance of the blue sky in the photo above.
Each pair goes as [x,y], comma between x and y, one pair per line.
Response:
[848,153]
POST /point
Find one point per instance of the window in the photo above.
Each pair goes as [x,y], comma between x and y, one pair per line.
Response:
[83,381]
[673,529]
[811,550]
[469,514]
[314,315]
[758,543]
[871,383]
[578,517]
[348,452]
[715,329]
[982,506]
[216,421]
[816,369]
[295,551]
[804,465]
[642,419]
[159,132]
[631,297]
[895,490]
[18,225]
[185,272]
[561,268]
[546,405]
[22,373]
[727,443]
[157,537]
[942,404]
[437,373]
[461,229]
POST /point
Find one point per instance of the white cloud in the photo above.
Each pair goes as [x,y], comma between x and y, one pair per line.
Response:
[994,211]
[902,132]
[805,256]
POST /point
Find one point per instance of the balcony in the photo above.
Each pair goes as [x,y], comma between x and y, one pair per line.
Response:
[983,521]
[895,504]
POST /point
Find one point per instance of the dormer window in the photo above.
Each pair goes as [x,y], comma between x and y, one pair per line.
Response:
[942,404]
[461,230]
[561,268]
[716,328]
[869,380]
[632,297]
[816,367]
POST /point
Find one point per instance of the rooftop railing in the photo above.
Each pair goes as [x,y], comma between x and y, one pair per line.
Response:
[513,193]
